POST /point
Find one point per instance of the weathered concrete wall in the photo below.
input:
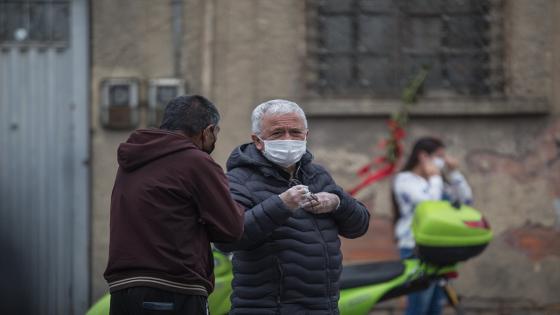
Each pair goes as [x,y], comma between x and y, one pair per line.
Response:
[511,161]
[131,39]
[257,50]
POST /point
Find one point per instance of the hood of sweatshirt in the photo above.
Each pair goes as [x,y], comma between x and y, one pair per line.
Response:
[146,145]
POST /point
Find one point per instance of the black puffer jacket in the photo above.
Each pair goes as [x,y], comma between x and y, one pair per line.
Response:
[287,263]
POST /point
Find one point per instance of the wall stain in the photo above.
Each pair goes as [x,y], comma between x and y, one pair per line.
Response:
[542,162]
[535,241]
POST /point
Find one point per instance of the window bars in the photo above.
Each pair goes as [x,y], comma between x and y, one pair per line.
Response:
[37,22]
[374,47]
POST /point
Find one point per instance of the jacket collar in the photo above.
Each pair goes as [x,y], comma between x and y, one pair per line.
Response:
[249,156]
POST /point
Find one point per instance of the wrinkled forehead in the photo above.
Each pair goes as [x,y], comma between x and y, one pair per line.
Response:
[282,121]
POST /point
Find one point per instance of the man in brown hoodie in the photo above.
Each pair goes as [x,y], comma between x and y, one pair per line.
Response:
[169,201]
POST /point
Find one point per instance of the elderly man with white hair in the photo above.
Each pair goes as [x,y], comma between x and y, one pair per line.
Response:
[288,260]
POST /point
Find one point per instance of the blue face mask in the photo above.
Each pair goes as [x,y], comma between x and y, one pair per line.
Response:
[284,153]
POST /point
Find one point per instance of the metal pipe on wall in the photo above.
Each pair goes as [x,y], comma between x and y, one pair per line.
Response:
[207,48]
[177,36]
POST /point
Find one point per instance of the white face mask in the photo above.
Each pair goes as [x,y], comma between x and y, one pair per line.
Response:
[284,152]
[439,163]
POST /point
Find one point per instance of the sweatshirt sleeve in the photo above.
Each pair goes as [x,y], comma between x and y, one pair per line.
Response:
[222,216]
[260,219]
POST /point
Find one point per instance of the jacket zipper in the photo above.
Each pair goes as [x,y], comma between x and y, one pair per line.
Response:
[281,282]
[323,244]
[327,258]
[326,251]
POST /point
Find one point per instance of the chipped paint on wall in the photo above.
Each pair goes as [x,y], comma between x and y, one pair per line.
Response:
[535,241]
[340,160]
[540,163]
[543,160]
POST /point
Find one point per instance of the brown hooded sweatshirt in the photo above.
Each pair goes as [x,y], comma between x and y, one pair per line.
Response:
[169,201]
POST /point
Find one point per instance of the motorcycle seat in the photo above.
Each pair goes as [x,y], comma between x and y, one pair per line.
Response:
[358,275]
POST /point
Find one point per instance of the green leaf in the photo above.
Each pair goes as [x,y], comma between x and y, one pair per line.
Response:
[413,88]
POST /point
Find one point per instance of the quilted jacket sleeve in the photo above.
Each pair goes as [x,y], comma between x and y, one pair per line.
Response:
[352,217]
[260,219]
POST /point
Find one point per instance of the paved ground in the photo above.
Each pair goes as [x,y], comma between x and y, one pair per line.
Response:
[378,244]
[477,307]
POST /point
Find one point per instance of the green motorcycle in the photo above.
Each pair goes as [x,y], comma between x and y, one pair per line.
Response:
[445,235]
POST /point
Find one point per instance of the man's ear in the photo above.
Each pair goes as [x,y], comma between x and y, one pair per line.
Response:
[209,130]
[258,142]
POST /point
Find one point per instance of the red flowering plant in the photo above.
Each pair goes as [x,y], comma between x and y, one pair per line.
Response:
[385,165]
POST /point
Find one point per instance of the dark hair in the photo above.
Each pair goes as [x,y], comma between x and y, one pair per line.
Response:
[425,144]
[190,114]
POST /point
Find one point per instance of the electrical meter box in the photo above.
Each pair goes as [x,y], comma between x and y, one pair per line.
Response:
[119,103]
[160,92]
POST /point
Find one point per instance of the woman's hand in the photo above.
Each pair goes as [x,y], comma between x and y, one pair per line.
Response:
[429,168]
[451,163]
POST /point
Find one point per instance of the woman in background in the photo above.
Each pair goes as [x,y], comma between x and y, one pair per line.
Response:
[429,174]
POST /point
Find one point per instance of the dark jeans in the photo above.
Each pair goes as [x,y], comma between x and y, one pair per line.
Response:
[427,302]
[145,300]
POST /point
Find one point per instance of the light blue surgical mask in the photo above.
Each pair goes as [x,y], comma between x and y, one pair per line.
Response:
[284,153]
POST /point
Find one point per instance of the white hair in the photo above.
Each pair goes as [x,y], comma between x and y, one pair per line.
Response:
[274,107]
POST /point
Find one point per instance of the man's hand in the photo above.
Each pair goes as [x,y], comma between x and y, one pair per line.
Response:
[294,197]
[322,202]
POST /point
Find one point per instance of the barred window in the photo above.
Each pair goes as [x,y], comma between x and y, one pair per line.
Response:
[374,47]
[44,22]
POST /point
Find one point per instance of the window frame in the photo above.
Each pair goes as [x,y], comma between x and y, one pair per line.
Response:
[495,104]
[49,42]
[444,107]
